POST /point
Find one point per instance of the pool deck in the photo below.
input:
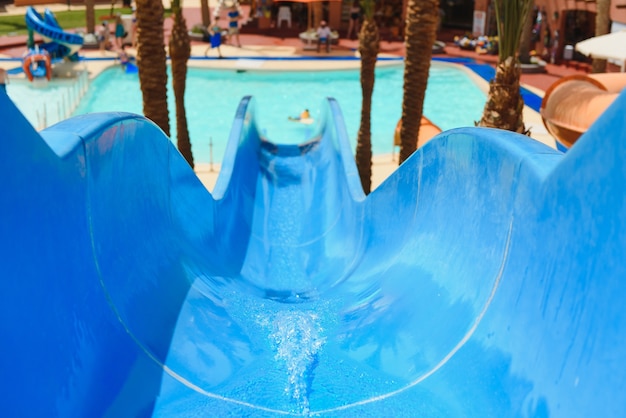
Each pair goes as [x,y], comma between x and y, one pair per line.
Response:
[272,53]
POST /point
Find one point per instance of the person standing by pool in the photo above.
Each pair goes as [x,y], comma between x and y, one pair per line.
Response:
[323,36]
[215,38]
[234,15]
[120,33]
[355,16]
[103,36]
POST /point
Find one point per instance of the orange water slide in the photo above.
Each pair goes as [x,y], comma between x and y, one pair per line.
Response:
[572,104]
[427,131]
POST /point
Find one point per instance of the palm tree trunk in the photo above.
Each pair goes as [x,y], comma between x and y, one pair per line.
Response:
[180,50]
[90,16]
[422,19]
[504,106]
[368,48]
[602,28]
[206,16]
[151,61]
[525,44]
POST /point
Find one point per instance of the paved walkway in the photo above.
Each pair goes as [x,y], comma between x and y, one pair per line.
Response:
[292,54]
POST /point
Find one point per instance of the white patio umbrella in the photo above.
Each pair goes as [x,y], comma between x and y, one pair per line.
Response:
[611,46]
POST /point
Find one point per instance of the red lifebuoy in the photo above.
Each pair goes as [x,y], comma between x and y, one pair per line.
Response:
[39,59]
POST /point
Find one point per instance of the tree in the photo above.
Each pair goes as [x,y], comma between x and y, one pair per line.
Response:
[206,16]
[368,49]
[526,43]
[422,20]
[603,10]
[180,50]
[151,61]
[90,16]
[504,106]
[112,8]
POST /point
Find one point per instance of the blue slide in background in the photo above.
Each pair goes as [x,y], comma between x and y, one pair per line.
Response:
[57,42]
[484,278]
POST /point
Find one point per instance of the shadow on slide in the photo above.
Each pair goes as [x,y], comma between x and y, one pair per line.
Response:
[485,277]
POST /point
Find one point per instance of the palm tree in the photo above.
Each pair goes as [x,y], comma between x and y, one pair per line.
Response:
[206,16]
[422,20]
[504,106]
[90,16]
[180,50]
[151,61]
[602,28]
[368,49]
[526,43]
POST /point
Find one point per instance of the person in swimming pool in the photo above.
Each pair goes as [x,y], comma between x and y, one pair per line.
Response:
[123,56]
[303,116]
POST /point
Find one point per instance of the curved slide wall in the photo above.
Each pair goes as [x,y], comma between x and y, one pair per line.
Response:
[483,278]
[62,43]
[573,103]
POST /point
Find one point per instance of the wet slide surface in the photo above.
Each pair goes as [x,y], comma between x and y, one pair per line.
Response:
[483,278]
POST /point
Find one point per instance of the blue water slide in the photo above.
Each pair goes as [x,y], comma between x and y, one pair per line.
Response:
[483,278]
[57,41]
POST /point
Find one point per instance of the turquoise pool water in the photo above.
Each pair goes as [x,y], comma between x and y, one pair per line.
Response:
[452,100]
[46,104]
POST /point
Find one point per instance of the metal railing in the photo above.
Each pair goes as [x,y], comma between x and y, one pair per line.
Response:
[72,90]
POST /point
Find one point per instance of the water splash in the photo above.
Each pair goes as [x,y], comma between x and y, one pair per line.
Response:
[297,339]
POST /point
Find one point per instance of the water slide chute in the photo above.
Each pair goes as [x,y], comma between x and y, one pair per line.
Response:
[58,42]
[483,278]
[573,103]
[427,131]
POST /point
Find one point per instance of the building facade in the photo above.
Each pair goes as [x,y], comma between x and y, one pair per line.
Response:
[557,24]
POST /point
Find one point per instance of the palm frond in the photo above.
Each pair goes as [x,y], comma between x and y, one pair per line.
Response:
[368,7]
[510,18]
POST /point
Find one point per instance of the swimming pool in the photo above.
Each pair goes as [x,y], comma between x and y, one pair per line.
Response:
[452,100]
[45,104]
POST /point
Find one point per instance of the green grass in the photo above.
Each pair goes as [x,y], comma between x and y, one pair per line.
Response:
[16,25]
